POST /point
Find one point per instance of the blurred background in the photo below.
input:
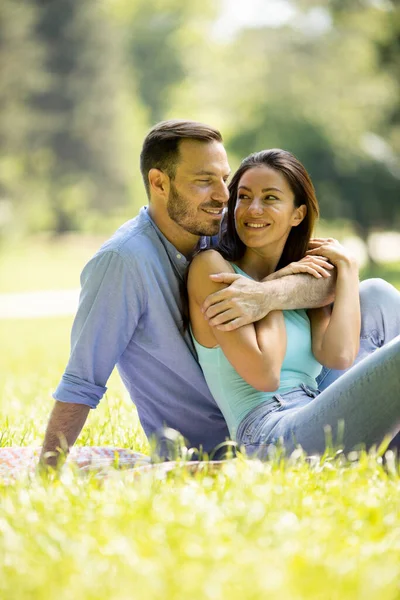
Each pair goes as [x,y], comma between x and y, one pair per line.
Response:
[83,81]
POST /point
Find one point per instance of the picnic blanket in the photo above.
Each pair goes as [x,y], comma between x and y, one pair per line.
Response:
[19,462]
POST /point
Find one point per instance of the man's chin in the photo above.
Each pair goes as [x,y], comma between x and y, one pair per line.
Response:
[209,229]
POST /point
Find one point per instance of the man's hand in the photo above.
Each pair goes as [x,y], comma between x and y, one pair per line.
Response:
[65,424]
[243,302]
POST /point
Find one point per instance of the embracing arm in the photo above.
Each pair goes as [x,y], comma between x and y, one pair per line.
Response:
[255,351]
[246,301]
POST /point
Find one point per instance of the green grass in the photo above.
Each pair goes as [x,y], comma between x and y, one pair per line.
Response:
[278,530]
[45,262]
[37,351]
[286,530]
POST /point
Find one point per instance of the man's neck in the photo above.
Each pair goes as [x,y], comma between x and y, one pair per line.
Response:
[183,241]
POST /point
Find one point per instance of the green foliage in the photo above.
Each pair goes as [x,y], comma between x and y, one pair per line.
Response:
[324,89]
[83,81]
[79,108]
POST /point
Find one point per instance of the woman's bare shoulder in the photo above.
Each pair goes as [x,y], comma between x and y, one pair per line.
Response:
[210,261]
[204,264]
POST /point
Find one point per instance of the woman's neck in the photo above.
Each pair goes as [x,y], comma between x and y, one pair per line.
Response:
[259,264]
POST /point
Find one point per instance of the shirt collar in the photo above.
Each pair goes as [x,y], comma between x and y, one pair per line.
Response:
[179,261]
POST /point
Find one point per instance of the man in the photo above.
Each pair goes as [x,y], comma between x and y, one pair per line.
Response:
[130,306]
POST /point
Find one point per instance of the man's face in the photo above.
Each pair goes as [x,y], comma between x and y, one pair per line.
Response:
[199,192]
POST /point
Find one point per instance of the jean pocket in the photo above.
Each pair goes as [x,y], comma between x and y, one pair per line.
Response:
[253,429]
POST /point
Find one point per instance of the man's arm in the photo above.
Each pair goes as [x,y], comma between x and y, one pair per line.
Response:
[64,426]
[109,309]
[246,301]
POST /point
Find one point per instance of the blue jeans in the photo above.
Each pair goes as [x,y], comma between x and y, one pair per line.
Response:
[365,398]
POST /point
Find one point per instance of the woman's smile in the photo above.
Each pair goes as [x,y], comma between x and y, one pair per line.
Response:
[256,225]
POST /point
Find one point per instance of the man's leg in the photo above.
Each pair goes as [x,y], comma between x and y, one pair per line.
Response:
[380,323]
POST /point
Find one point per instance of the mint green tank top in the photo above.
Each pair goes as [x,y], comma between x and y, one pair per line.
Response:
[234,396]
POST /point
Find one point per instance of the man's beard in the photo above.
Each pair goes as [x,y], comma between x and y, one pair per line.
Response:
[183,214]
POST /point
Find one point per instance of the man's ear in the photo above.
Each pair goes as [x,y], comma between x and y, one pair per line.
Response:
[299,214]
[159,183]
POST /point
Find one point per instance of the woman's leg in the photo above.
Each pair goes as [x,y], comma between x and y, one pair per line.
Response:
[366,399]
[380,323]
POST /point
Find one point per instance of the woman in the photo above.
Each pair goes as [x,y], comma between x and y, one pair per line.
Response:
[263,376]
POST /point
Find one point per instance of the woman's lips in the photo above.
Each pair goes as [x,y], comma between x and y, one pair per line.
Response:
[254,225]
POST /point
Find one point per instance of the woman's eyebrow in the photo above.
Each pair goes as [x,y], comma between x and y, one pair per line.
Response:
[244,187]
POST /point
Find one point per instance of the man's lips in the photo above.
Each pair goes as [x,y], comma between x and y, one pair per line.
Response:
[215,212]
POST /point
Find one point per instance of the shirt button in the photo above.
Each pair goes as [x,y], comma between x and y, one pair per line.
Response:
[179,256]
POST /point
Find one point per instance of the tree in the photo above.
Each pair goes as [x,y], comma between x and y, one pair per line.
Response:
[79,142]
[324,93]
[21,63]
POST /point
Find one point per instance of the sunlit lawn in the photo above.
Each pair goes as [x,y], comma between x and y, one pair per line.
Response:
[282,530]
[44,262]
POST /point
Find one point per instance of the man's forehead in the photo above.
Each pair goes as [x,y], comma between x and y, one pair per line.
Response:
[200,158]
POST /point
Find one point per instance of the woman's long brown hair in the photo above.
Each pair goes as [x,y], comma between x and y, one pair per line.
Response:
[230,245]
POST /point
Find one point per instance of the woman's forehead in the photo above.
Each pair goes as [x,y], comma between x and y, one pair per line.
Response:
[265,178]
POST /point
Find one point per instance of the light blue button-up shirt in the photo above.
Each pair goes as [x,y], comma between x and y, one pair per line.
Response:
[129,315]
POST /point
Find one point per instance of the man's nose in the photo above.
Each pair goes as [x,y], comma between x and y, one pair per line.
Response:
[221,192]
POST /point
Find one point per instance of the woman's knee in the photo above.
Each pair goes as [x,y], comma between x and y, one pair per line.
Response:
[377,291]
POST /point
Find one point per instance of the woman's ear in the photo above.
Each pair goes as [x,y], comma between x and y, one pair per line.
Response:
[159,183]
[299,214]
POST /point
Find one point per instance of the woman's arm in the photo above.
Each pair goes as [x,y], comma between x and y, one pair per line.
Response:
[336,333]
[256,352]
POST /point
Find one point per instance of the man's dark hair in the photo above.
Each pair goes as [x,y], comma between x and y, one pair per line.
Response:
[161,146]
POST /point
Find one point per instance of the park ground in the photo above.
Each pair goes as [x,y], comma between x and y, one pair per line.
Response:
[290,529]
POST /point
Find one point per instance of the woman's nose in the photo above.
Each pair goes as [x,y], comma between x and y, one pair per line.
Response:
[256,207]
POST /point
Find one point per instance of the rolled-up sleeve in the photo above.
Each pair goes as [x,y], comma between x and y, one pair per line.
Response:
[110,306]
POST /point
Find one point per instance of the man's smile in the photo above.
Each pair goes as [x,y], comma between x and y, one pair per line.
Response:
[216,212]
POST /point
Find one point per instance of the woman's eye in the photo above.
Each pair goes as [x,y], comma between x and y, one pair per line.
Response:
[243,197]
[269,198]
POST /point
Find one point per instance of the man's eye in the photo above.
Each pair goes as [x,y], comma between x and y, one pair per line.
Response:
[204,180]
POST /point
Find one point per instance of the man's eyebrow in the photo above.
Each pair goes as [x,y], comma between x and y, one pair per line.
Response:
[211,173]
[244,187]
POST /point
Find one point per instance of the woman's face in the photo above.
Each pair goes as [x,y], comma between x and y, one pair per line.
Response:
[265,211]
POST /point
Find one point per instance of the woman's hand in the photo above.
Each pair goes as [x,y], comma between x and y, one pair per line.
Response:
[315,265]
[332,250]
